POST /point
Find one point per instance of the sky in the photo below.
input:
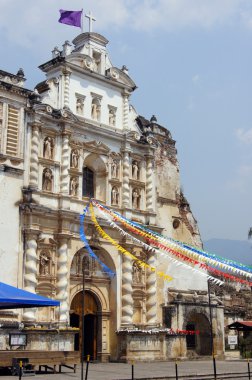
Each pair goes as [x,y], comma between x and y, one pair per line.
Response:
[191,61]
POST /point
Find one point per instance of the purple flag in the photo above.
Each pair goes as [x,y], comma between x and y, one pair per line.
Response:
[70,17]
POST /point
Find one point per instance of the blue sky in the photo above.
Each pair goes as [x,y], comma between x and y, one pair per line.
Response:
[192,63]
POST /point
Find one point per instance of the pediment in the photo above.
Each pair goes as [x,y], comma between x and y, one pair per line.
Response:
[97,147]
[120,76]
[64,113]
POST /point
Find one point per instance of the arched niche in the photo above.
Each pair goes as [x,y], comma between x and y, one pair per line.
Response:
[94,174]
[200,341]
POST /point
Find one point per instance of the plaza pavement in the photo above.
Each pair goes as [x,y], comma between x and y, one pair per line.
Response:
[122,371]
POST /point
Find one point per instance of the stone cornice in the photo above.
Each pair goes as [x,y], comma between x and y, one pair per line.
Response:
[15,89]
[167,201]
[10,169]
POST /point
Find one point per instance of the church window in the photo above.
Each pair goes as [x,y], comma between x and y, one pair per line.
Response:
[88,183]
[12,131]
[176,223]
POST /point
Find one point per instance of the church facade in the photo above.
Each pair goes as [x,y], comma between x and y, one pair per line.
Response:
[76,137]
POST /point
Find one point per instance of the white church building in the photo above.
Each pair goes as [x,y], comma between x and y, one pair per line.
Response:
[74,137]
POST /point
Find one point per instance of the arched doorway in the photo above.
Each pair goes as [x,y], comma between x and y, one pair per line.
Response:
[91,323]
[100,299]
[200,342]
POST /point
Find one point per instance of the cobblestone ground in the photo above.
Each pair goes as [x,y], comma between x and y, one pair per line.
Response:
[119,371]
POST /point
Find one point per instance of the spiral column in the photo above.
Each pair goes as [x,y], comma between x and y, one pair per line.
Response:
[126,111]
[62,283]
[66,87]
[34,161]
[65,155]
[149,183]
[30,272]
[125,187]
[151,292]
[127,299]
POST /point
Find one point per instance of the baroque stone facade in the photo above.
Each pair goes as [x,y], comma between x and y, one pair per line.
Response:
[74,137]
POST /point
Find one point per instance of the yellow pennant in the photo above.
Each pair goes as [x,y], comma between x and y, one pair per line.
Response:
[123,250]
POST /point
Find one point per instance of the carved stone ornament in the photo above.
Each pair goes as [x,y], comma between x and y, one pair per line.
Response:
[133,135]
[96,109]
[48,148]
[115,196]
[47,180]
[44,263]
[75,158]
[97,147]
[88,63]
[114,169]
[135,170]
[74,185]
[113,73]
[136,198]
[42,107]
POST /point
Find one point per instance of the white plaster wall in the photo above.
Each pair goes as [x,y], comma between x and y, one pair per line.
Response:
[183,278]
[10,194]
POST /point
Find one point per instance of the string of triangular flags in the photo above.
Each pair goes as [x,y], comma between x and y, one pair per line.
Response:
[199,261]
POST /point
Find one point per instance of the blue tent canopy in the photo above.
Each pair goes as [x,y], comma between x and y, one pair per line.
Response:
[14,298]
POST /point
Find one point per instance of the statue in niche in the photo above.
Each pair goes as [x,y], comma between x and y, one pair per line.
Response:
[114,169]
[48,148]
[44,264]
[74,184]
[79,106]
[74,158]
[47,180]
[96,63]
[112,117]
[114,196]
[135,170]
[135,198]
[96,109]
[137,273]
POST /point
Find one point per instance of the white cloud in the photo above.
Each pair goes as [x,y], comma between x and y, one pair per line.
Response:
[244,136]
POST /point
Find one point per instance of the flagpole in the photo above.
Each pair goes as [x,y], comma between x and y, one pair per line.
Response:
[82,21]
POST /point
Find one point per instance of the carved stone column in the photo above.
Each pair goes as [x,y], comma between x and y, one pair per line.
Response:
[125,187]
[65,157]
[149,183]
[125,111]
[127,299]
[30,271]
[67,74]
[151,292]
[34,161]
[62,280]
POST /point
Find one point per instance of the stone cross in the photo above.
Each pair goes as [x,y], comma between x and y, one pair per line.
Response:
[91,19]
